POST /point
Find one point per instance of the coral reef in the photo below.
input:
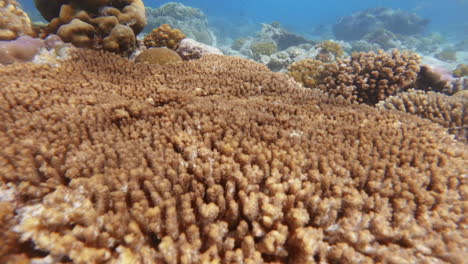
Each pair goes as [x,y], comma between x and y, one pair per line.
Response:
[263,48]
[191,21]
[357,25]
[369,77]
[13,21]
[159,56]
[217,160]
[190,49]
[110,25]
[163,36]
[461,70]
[448,111]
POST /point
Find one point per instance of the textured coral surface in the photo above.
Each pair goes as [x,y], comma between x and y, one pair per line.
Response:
[217,160]
[448,111]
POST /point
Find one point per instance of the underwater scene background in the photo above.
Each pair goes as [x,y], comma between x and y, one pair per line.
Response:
[233,131]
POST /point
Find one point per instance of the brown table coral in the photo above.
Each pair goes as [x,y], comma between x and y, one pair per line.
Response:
[111,25]
[217,160]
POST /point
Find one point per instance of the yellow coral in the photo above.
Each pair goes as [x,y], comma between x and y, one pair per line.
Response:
[163,36]
[263,48]
[306,72]
[461,70]
[332,47]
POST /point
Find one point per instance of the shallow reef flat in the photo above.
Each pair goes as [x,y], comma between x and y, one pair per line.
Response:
[217,160]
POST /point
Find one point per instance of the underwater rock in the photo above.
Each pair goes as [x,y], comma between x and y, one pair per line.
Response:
[362,46]
[279,61]
[191,21]
[384,38]
[439,79]
[357,25]
[281,37]
[25,48]
[190,49]
[14,22]
[22,49]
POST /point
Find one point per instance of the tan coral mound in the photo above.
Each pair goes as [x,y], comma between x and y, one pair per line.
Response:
[158,56]
[106,24]
[448,111]
[14,22]
[217,160]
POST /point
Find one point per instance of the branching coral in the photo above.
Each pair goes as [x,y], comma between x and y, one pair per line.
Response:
[448,111]
[163,36]
[368,77]
[14,22]
[111,25]
[218,160]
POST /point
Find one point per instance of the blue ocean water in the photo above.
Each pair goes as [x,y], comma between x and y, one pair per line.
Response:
[300,15]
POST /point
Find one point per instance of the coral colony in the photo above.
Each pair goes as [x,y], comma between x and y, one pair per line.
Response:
[116,148]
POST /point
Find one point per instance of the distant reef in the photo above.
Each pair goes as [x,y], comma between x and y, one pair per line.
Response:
[359,24]
[191,21]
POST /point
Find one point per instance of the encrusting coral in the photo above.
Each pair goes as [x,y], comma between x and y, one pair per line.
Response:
[448,111]
[163,36]
[110,25]
[217,160]
[364,77]
[14,22]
